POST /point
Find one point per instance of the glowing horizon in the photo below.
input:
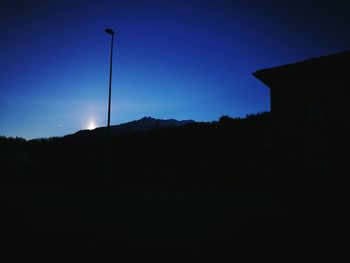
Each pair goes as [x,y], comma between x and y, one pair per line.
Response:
[91,125]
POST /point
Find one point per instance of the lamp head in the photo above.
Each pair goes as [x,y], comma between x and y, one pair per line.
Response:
[109,31]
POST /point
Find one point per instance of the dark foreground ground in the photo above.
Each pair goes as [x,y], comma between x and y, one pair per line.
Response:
[220,192]
[135,226]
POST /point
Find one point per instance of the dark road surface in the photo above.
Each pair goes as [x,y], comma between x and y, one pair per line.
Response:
[165,226]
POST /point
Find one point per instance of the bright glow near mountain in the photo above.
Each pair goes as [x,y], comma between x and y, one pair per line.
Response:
[91,125]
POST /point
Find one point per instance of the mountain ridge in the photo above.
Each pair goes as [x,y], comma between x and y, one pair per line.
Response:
[144,124]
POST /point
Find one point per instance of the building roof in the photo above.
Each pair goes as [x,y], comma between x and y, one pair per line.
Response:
[331,67]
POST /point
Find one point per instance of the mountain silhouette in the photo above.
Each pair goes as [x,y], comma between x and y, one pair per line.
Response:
[142,125]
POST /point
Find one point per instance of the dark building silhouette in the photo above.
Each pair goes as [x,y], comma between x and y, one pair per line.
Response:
[311,115]
[314,91]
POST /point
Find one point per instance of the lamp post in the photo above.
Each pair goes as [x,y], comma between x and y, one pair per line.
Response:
[110,32]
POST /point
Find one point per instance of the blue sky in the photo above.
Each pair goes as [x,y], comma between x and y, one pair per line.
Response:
[173,59]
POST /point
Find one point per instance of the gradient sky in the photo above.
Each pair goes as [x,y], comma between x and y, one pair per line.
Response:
[173,59]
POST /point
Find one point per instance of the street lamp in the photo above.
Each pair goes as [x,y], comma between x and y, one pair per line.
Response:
[110,32]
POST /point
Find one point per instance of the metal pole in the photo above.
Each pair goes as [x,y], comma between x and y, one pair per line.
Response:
[110,84]
[108,141]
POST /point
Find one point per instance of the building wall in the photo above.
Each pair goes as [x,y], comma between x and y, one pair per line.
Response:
[310,103]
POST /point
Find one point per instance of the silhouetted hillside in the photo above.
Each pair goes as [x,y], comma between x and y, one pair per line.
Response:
[142,125]
[229,153]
